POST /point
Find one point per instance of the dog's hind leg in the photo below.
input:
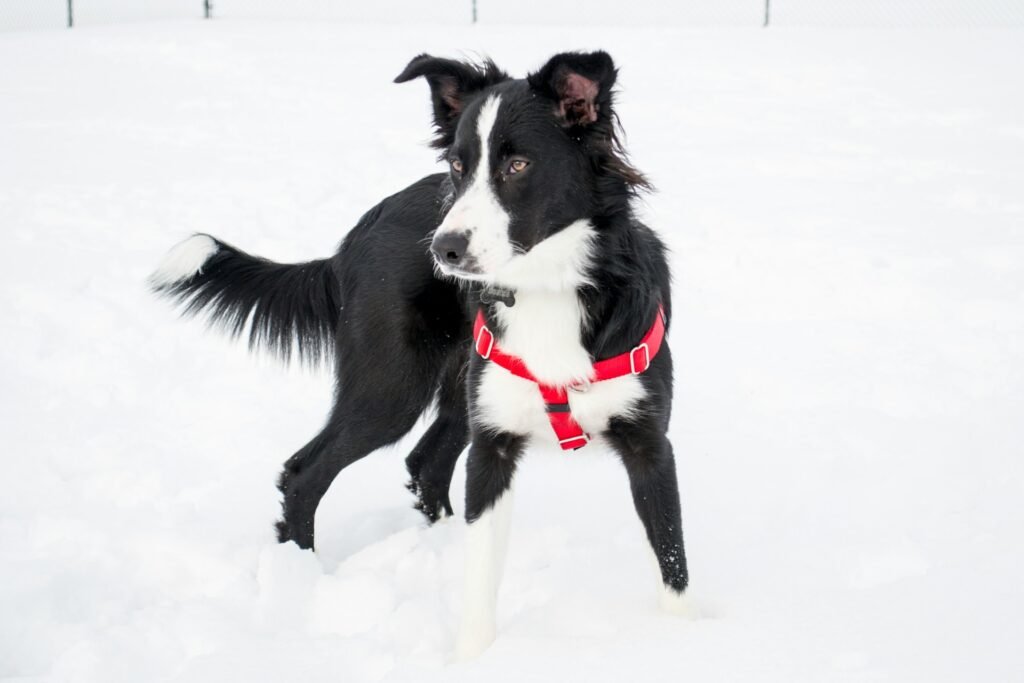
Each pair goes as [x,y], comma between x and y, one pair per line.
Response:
[432,462]
[364,419]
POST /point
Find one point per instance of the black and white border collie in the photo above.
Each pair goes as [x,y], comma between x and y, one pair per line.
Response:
[532,230]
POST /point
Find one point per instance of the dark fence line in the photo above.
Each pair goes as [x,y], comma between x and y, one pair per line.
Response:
[208,11]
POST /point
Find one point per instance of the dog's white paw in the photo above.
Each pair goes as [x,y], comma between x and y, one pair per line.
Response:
[678,603]
[472,641]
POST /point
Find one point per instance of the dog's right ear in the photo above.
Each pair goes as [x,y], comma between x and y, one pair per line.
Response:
[452,84]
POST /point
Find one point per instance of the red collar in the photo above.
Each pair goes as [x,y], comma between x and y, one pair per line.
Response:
[570,435]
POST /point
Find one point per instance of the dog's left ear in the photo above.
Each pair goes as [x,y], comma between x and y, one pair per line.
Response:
[580,83]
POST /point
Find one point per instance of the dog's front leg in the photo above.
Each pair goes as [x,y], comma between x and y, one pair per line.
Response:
[650,464]
[489,471]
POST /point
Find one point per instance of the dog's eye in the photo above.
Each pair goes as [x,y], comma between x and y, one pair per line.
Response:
[517,166]
[456,166]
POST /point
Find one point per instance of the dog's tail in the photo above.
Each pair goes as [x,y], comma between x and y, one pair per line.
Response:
[284,307]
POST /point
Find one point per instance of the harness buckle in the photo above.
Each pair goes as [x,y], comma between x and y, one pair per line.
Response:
[566,444]
[489,341]
[580,387]
[633,366]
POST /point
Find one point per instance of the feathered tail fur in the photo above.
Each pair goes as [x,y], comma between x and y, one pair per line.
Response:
[285,308]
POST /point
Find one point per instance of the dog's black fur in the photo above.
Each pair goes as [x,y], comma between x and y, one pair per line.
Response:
[400,334]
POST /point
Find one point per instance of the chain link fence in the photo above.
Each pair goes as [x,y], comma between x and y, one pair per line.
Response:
[40,14]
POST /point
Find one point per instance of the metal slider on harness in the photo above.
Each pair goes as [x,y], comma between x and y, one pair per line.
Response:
[583,438]
[481,335]
[633,368]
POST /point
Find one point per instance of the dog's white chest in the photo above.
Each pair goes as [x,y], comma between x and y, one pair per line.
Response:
[543,329]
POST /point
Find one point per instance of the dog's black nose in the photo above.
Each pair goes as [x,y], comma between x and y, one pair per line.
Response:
[449,248]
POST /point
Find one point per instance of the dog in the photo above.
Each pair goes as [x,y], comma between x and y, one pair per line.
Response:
[518,292]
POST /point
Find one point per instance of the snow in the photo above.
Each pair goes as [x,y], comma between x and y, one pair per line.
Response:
[847,221]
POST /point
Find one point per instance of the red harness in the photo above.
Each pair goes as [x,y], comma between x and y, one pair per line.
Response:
[556,398]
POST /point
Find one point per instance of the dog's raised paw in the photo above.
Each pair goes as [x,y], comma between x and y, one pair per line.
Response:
[432,505]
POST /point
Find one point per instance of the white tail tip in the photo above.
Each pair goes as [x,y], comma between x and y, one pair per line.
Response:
[184,260]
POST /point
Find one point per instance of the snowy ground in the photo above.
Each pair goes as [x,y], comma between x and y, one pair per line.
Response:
[847,216]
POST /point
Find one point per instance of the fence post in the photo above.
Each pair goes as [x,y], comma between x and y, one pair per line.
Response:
[474,11]
[206,8]
[71,15]
[767,8]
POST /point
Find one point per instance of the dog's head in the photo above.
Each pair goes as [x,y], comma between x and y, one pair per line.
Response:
[528,158]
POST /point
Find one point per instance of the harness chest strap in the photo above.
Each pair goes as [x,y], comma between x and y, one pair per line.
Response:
[556,398]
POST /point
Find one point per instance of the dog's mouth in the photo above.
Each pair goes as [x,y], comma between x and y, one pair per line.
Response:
[461,272]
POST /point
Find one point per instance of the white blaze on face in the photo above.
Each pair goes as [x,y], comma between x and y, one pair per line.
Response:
[477,213]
